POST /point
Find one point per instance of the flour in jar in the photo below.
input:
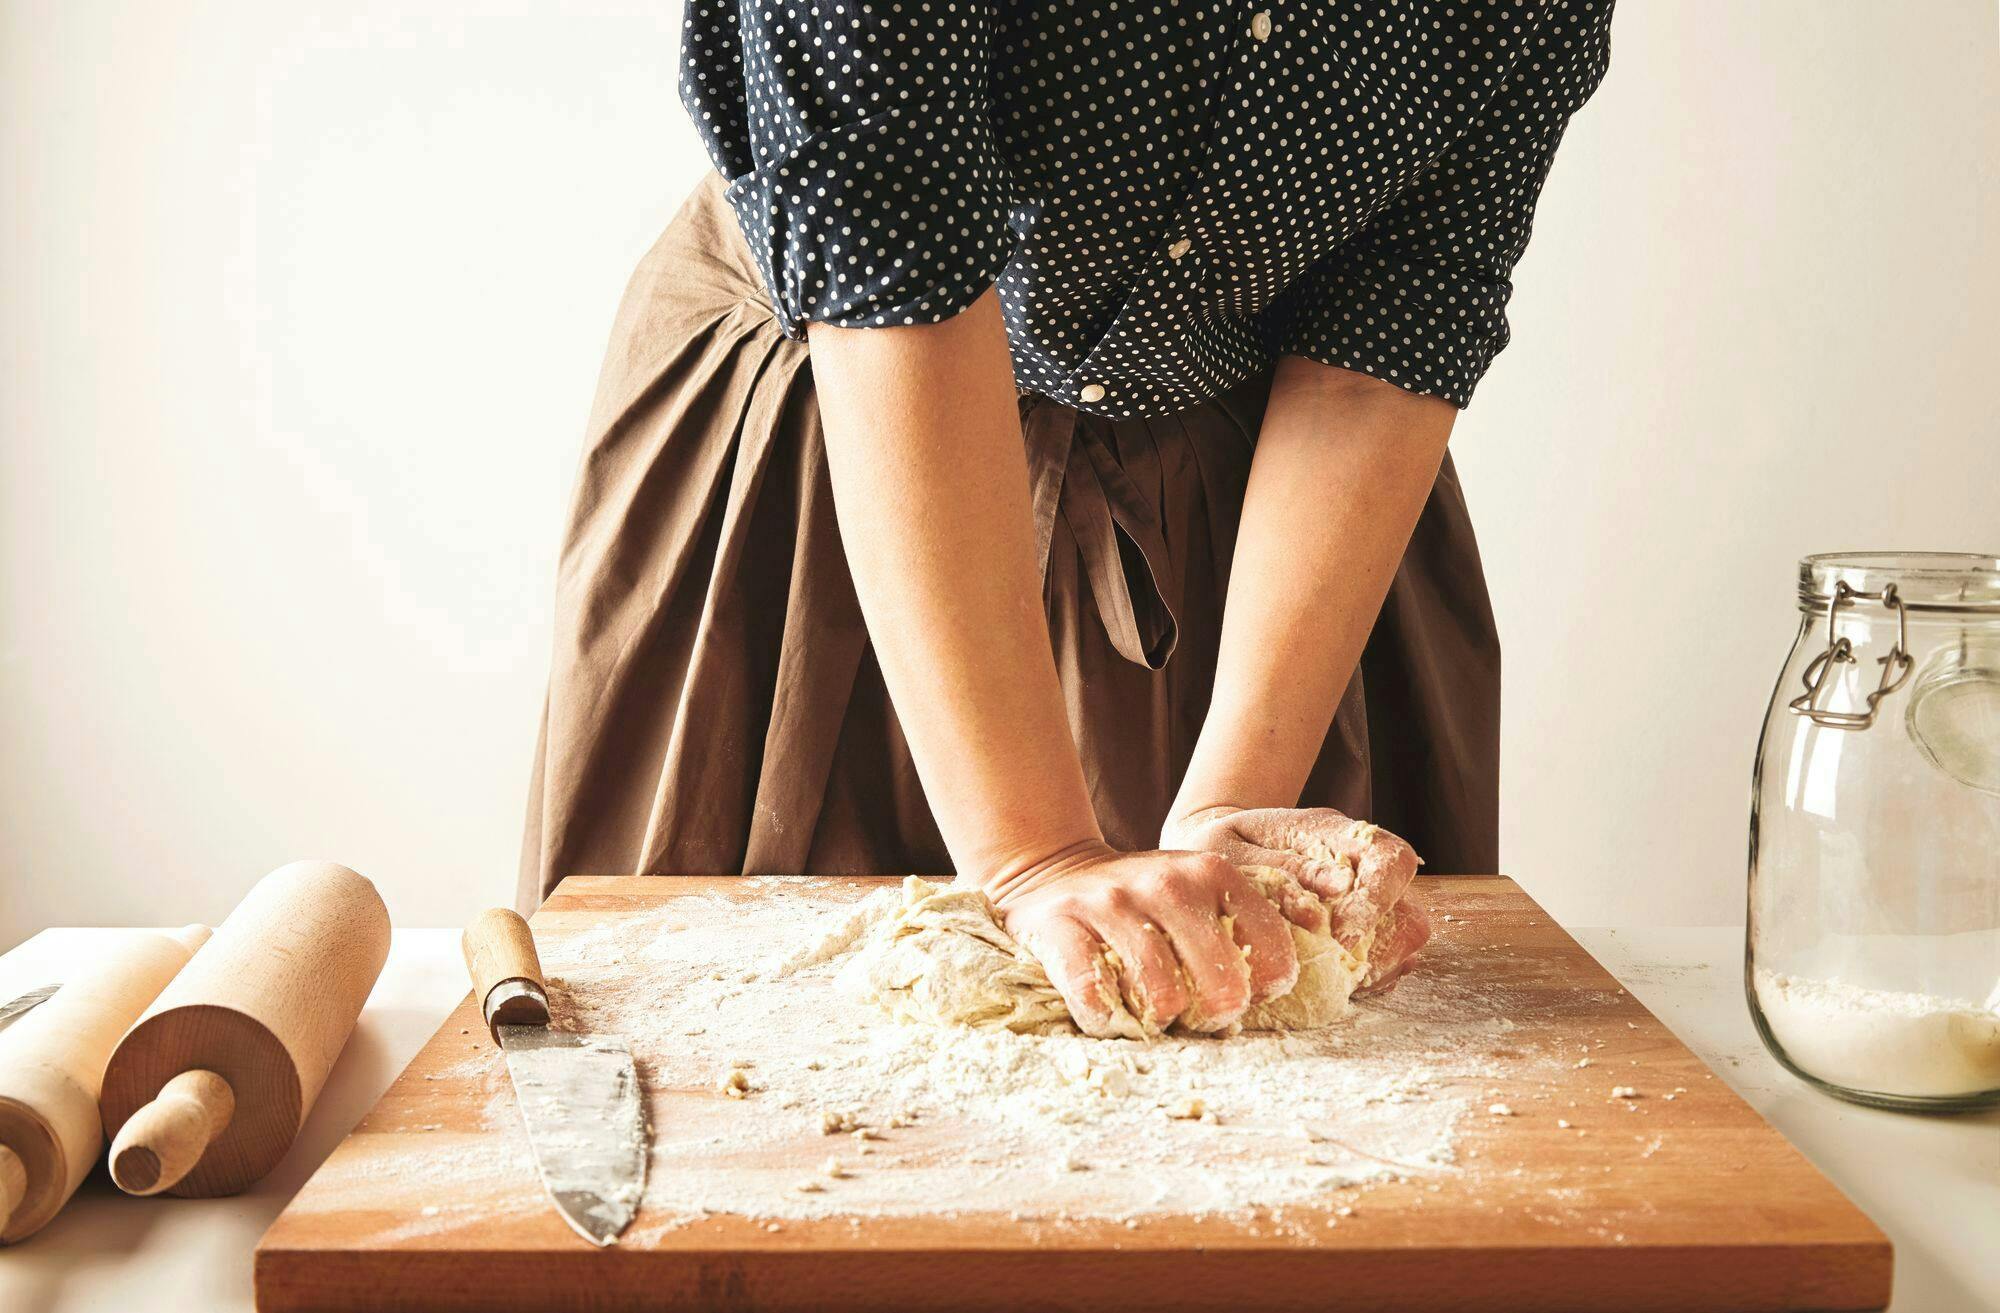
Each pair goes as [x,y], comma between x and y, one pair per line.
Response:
[1883,1041]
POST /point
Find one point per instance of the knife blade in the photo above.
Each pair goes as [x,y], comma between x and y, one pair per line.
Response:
[14,1007]
[579,1094]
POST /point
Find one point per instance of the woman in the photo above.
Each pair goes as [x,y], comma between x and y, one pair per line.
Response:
[1006,343]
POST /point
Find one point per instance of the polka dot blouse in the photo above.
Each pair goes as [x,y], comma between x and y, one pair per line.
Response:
[1167,195]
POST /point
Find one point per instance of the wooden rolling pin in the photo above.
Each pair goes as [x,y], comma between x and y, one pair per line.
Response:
[52,1066]
[206,1093]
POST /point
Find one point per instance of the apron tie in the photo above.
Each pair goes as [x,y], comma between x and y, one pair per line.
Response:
[1074,473]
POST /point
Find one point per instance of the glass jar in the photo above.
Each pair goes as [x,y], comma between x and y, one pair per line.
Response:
[1873,954]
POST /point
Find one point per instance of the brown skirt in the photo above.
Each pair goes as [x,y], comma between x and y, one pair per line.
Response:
[714,707]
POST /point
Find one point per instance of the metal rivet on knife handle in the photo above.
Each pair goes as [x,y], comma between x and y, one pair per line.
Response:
[506,973]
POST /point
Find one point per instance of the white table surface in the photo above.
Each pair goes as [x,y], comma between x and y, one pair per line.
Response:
[1932,1183]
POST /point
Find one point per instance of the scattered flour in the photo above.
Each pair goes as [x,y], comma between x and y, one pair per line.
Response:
[1882,1041]
[1048,1127]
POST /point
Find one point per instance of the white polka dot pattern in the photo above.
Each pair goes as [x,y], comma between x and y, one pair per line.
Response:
[1167,195]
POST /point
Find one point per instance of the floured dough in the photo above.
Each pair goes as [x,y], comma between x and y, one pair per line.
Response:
[1328,972]
[941,955]
[938,954]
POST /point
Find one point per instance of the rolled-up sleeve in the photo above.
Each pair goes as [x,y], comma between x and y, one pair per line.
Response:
[1419,296]
[858,144]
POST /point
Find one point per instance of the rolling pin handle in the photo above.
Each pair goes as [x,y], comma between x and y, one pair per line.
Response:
[161,1143]
[506,973]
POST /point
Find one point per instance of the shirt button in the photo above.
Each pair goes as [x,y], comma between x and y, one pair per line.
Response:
[1092,394]
[1260,25]
[1180,248]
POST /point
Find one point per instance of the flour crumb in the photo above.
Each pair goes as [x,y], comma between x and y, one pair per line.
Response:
[1624,1092]
[835,1122]
[1112,1082]
[1184,1110]
[1500,1110]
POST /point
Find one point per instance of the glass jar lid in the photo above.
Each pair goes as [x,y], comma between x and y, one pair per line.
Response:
[1962,582]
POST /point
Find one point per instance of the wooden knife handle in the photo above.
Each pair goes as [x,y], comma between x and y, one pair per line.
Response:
[506,975]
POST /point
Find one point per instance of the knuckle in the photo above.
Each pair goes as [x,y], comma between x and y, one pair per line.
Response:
[1119,902]
[1213,870]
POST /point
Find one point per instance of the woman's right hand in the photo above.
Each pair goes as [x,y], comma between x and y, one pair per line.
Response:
[1173,936]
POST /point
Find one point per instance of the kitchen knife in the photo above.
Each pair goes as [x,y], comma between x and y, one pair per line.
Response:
[14,1007]
[578,1094]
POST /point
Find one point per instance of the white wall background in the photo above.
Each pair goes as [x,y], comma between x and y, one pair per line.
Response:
[300,315]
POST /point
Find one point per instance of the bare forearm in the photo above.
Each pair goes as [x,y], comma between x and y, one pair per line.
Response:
[1343,467]
[930,483]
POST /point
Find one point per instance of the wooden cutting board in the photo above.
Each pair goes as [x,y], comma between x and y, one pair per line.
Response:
[1717,1212]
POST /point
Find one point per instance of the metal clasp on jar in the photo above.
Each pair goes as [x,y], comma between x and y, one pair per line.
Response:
[1896,666]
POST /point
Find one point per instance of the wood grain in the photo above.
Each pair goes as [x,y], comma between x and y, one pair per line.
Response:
[1722,1214]
[499,949]
[266,1007]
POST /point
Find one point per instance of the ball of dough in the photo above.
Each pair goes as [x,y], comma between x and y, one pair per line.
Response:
[941,956]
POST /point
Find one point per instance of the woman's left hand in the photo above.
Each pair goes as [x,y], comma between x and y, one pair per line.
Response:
[1361,871]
